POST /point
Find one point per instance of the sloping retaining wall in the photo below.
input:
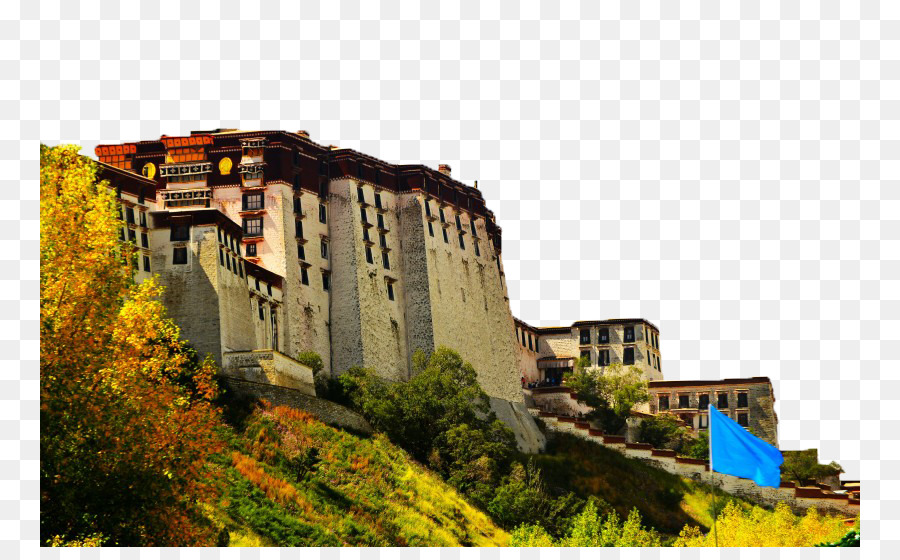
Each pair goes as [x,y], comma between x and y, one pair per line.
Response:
[798,499]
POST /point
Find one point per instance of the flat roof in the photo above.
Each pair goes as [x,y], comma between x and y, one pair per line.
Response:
[709,383]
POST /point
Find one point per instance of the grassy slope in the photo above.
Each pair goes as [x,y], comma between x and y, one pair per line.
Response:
[666,501]
[364,492]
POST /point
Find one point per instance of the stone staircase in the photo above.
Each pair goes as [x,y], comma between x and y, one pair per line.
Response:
[798,498]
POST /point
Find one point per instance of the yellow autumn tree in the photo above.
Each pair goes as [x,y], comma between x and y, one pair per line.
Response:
[126,419]
[759,527]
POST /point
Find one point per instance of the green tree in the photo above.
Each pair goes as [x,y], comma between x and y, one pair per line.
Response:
[660,430]
[610,394]
[698,448]
[803,467]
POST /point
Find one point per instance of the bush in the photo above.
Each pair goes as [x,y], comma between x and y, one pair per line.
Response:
[610,394]
[591,528]
[698,448]
[660,430]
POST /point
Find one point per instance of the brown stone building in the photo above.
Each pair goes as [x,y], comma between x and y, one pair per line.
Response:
[266,240]
[750,402]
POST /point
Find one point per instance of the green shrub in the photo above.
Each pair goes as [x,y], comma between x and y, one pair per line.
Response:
[660,430]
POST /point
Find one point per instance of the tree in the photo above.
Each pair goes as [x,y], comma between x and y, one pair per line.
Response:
[591,528]
[126,419]
[660,430]
[698,448]
[803,467]
[611,395]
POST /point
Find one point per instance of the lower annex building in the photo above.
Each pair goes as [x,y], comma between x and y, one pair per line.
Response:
[269,244]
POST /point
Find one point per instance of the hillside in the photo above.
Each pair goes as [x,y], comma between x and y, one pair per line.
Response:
[665,501]
[362,491]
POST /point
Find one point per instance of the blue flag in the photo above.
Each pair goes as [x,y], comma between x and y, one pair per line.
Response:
[733,450]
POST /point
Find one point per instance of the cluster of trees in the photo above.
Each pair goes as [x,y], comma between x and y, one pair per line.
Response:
[591,528]
[127,422]
[665,431]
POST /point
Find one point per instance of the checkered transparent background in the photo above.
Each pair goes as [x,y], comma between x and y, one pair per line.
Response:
[719,168]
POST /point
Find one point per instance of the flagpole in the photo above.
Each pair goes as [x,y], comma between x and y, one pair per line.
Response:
[712,478]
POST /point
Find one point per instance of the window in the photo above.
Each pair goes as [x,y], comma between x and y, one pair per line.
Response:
[221,257]
[663,403]
[362,215]
[722,402]
[441,210]
[301,252]
[253,201]
[742,400]
[359,194]
[704,402]
[253,227]
[704,421]
[382,240]
[324,246]
[472,227]
[179,255]
[386,261]
[132,235]
[298,206]
[585,336]
[603,357]
[269,289]
[603,336]
[477,252]
[628,357]
[304,277]
[462,244]
[257,284]
[649,361]
[444,230]
[430,229]
[530,343]
[378,202]
[129,214]
[629,334]
[262,313]
[586,354]
[743,419]
[241,268]
[146,263]
[228,264]
[684,401]
[656,341]
[369,258]
[381,221]
[219,232]
[322,214]
[366,234]
[458,222]
[143,219]
[326,281]
[180,232]
[427,208]
[251,249]
[390,289]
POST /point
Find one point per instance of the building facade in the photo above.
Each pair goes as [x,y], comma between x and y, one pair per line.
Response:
[266,240]
[749,401]
[546,354]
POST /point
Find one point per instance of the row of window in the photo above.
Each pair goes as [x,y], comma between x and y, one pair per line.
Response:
[742,418]
[459,228]
[653,361]
[651,338]
[382,238]
[128,216]
[684,401]
[531,345]
[603,335]
[132,236]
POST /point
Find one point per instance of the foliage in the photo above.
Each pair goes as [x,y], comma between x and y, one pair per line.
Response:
[851,539]
[591,528]
[660,431]
[611,394]
[311,360]
[803,467]
[697,448]
[363,491]
[126,419]
[755,526]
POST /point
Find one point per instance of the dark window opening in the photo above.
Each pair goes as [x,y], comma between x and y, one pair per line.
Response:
[132,235]
[143,219]
[530,343]
[430,230]
[382,240]
[629,334]
[298,206]
[381,221]
[179,255]
[322,213]
[663,403]
[445,235]
[386,261]
[722,402]
[585,336]
[477,252]
[304,277]
[366,234]
[301,252]
[253,201]
[146,263]
[743,419]
[628,357]
[269,289]
[472,226]
[369,258]
[145,243]
[684,401]
[359,194]
[462,244]
[603,336]
[299,227]
[603,357]
[441,211]
[362,215]
[378,200]
[742,400]
[324,246]
[262,314]
[221,257]
[326,281]
[180,232]
[427,209]
[458,222]
[251,249]
[704,402]
[390,290]
[586,354]
[129,214]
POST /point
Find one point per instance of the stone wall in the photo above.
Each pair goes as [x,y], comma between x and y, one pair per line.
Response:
[798,499]
[328,412]
[269,366]
[558,400]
